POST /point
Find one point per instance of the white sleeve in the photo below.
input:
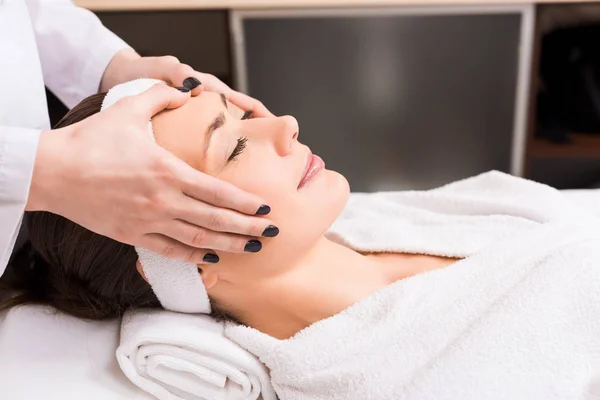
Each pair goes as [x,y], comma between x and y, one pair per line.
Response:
[18,147]
[74,48]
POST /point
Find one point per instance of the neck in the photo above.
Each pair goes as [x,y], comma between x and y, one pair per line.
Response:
[327,280]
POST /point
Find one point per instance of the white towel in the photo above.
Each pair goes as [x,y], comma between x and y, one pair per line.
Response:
[181,356]
[518,318]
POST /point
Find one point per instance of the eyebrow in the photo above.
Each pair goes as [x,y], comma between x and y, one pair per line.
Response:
[224,100]
[217,123]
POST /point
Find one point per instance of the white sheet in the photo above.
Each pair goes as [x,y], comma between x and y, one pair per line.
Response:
[588,199]
[54,356]
[45,355]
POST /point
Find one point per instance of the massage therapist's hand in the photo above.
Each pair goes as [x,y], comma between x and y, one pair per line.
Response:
[127,65]
[106,174]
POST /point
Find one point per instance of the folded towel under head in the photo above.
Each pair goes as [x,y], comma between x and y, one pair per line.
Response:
[177,284]
[177,356]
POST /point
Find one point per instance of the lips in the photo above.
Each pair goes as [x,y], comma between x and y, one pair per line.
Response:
[314,165]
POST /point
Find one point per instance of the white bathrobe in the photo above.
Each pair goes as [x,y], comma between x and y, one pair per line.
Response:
[518,318]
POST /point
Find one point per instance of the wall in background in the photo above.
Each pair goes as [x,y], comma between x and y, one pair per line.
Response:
[392,101]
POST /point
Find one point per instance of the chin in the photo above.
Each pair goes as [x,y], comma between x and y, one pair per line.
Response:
[338,192]
[339,185]
[326,197]
[323,202]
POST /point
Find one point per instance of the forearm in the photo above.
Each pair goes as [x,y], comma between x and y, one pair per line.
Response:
[48,171]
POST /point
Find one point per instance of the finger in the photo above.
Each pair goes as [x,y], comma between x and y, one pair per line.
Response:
[203,238]
[158,98]
[216,192]
[173,249]
[183,75]
[222,219]
[212,83]
[197,82]
[248,103]
[165,68]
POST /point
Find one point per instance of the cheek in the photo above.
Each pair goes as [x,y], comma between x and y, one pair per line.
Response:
[272,181]
[302,216]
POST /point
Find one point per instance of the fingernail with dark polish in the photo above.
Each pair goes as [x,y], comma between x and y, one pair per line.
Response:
[263,210]
[191,83]
[271,231]
[253,246]
[183,89]
[211,258]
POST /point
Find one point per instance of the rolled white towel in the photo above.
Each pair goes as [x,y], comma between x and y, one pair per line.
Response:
[176,356]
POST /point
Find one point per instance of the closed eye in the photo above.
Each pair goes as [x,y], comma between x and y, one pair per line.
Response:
[239,148]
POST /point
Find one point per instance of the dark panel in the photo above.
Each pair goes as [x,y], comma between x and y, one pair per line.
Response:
[197,38]
[393,102]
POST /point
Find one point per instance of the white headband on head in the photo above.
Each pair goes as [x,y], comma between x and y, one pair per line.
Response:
[177,284]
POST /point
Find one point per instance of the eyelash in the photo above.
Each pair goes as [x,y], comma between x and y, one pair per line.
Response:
[239,148]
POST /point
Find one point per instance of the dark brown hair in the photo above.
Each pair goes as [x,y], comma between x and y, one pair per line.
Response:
[74,269]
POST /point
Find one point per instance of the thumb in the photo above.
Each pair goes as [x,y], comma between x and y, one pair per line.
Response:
[158,98]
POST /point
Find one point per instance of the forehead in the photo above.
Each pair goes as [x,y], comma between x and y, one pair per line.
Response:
[199,111]
[211,102]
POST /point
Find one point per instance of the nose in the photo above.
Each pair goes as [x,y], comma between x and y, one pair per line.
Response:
[286,134]
[281,131]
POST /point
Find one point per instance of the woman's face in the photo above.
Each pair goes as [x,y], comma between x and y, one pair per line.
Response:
[261,156]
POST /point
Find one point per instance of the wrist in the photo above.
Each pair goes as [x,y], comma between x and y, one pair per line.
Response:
[48,170]
[118,69]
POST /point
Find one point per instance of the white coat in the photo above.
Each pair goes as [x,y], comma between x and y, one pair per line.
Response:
[42,42]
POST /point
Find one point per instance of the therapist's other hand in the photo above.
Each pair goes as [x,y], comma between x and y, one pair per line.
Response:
[127,65]
[106,174]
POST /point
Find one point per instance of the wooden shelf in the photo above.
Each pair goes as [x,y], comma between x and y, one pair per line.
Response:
[121,5]
[581,146]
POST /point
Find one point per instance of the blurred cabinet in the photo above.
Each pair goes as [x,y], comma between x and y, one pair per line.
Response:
[393,98]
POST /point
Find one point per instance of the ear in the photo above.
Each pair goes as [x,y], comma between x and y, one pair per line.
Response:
[209,277]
